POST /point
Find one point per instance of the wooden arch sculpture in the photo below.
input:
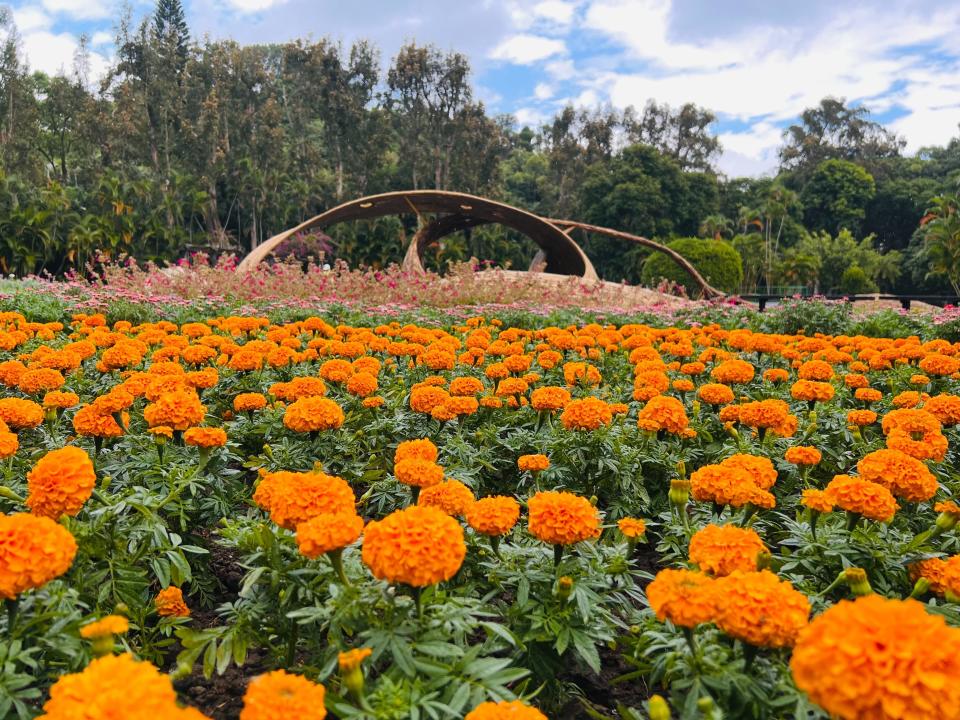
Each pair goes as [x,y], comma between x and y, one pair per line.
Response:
[455,212]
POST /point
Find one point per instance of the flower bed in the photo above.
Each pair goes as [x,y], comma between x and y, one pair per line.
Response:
[472,519]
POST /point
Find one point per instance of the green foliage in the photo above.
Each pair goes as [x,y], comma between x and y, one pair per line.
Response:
[854,281]
[941,239]
[836,254]
[836,196]
[716,260]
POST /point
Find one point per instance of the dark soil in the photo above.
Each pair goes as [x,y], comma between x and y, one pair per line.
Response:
[221,697]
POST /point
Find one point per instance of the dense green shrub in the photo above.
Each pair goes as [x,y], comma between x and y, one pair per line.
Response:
[716,260]
[854,281]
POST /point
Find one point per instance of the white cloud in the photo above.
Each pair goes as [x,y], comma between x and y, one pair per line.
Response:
[79,9]
[530,116]
[101,38]
[555,10]
[543,91]
[252,6]
[29,18]
[547,14]
[526,49]
[53,53]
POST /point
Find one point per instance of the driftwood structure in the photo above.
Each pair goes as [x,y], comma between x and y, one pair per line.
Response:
[454,212]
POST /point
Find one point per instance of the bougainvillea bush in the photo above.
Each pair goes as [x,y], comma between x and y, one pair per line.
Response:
[237,517]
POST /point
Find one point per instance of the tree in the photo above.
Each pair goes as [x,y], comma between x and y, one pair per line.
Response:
[769,218]
[170,28]
[682,134]
[715,226]
[940,230]
[837,196]
[834,130]
[837,253]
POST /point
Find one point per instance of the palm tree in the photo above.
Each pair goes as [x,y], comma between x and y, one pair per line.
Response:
[940,229]
[716,226]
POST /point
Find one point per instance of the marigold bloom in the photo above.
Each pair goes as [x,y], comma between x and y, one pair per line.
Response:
[104,627]
[549,398]
[578,373]
[205,437]
[40,380]
[60,483]
[812,391]
[179,409]
[632,528]
[587,413]
[720,550]
[279,694]
[374,401]
[451,496]
[802,455]
[760,609]
[116,686]
[728,485]
[815,370]
[418,473]
[422,449]
[493,516]
[763,413]
[352,659]
[905,476]
[248,402]
[683,597]
[733,372]
[760,469]
[292,498]
[817,500]
[505,710]
[857,495]
[20,414]
[169,603]
[417,546]
[562,518]
[776,375]
[715,394]
[362,384]
[861,418]
[88,422]
[313,414]
[939,365]
[33,551]
[327,532]
[424,398]
[856,381]
[60,400]
[533,463]
[945,408]
[878,659]
[663,413]
[868,394]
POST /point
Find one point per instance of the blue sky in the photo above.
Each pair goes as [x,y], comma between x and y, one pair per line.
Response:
[756,63]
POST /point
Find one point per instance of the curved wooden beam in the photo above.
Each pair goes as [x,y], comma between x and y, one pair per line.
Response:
[563,255]
[706,288]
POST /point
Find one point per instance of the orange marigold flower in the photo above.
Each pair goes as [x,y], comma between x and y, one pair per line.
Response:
[418,473]
[715,394]
[720,550]
[760,469]
[533,463]
[733,372]
[292,498]
[811,391]
[562,518]
[205,437]
[511,386]
[861,418]
[466,386]
[362,384]
[60,483]
[60,400]
[728,485]
[105,627]
[940,365]
[587,413]
[422,449]
[374,401]
[945,408]
[856,381]
[663,413]
[33,551]
[878,659]
[776,375]
[248,402]
[178,409]
[336,370]
[857,495]
[313,414]
[905,476]
[451,496]
[279,694]
[20,414]
[505,710]
[764,413]
[89,422]
[760,609]
[549,398]
[9,442]
[169,603]
[802,455]
[579,373]
[932,570]
[817,500]
[352,659]
[417,546]
[327,532]
[493,516]
[815,370]
[32,382]
[915,432]
[246,361]
[908,399]
[683,597]
[632,528]
[867,394]
[682,385]
[424,398]
[116,686]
